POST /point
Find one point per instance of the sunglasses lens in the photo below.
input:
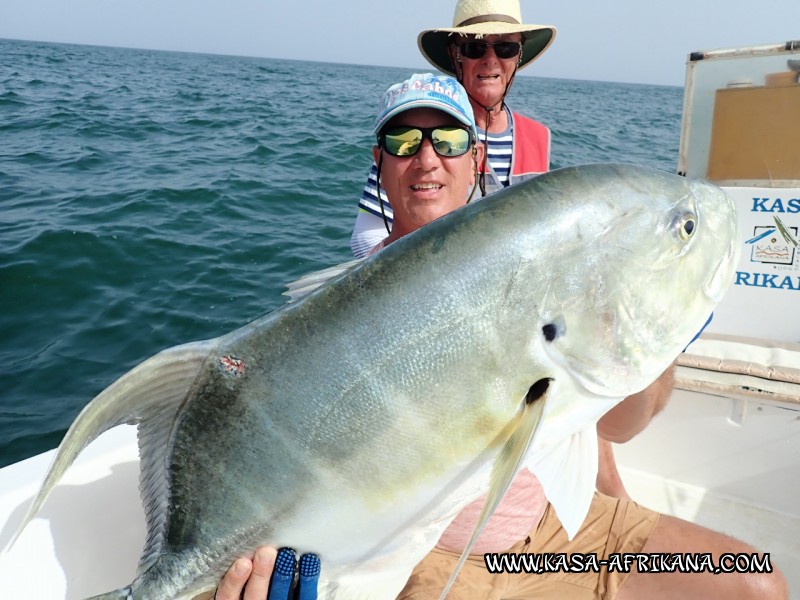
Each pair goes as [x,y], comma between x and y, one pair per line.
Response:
[406,141]
[402,141]
[450,141]
[473,49]
[506,49]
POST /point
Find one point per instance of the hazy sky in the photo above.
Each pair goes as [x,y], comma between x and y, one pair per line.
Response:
[637,41]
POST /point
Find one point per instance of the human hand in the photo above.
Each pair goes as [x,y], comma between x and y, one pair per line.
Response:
[250,579]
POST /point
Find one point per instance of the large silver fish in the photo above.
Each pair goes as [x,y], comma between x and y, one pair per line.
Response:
[358,420]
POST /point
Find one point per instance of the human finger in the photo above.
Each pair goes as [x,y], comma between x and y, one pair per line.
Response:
[309,577]
[283,576]
[258,583]
[233,582]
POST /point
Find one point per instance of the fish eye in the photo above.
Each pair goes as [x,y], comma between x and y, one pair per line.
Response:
[685,225]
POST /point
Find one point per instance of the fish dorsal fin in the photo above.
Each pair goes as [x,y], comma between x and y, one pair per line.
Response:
[505,468]
[155,385]
[568,474]
[308,283]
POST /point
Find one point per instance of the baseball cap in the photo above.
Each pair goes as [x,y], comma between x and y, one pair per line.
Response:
[426,90]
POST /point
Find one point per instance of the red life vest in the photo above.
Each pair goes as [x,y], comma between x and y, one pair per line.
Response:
[530,154]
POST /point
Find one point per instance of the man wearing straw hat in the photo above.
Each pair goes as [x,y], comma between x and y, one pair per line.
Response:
[486,46]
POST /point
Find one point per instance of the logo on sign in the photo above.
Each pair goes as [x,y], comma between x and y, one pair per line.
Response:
[773,244]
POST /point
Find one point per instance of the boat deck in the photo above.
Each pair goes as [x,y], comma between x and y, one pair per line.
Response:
[728,464]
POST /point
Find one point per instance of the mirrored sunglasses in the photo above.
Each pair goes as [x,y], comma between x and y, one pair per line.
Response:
[406,141]
[474,49]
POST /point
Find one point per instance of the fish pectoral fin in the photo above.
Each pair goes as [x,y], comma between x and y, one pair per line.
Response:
[506,467]
[568,474]
[158,384]
[308,283]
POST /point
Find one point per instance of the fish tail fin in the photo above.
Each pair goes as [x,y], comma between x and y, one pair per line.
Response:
[506,467]
[159,380]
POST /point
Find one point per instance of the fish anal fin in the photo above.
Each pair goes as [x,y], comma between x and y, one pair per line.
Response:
[506,466]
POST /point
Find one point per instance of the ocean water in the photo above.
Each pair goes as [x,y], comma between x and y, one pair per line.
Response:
[153,198]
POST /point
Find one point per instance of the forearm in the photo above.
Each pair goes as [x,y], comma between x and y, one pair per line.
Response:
[632,415]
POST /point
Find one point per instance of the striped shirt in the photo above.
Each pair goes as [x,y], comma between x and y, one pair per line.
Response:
[499,147]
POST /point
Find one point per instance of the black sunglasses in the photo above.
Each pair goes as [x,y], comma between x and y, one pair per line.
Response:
[474,49]
[447,141]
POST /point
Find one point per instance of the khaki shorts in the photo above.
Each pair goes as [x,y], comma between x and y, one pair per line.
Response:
[612,526]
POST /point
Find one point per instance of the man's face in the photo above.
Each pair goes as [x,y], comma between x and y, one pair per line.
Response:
[486,78]
[425,186]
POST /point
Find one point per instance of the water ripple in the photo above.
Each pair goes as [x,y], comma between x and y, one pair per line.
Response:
[152,198]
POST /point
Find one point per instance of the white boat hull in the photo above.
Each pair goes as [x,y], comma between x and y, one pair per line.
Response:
[90,533]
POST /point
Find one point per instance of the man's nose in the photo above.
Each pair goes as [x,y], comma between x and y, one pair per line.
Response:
[426,155]
[490,55]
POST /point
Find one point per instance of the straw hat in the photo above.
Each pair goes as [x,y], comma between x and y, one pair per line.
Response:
[485,17]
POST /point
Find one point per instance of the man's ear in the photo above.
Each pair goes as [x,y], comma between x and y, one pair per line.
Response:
[452,50]
[478,150]
[376,153]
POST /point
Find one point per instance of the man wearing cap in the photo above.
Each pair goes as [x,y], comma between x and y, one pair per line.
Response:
[426,156]
[425,97]
[484,48]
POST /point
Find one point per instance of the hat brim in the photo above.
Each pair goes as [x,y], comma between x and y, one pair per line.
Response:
[420,103]
[433,43]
